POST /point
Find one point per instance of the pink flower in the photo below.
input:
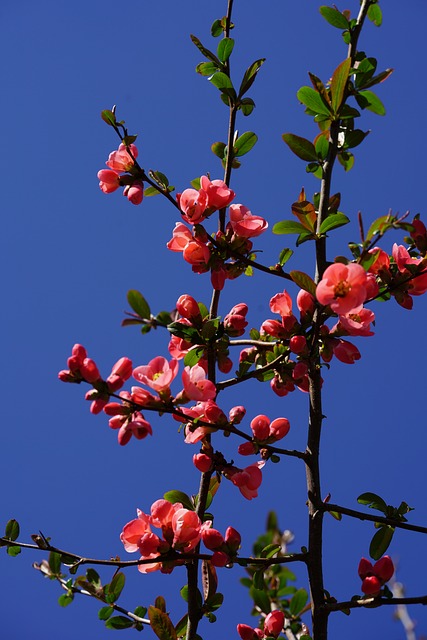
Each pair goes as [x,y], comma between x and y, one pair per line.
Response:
[219,195]
[181,236]
[279,428]
[273,623]
[89,371]
[381,262]
[196,386]
[374,577]
[212,539]
[202,462]
[186,526]
[248,633]
[193,205]
[134,530]
[306,304]
[134,192]
[343,287]
[418,284]
[157,374]
[188,308]
[248,480]
[356,322]
[120,372]
[120,160]
[235,320]
[260,426]
[281,303]
[298,344]
[137,426]
[244,224]
[109,180]
[236,414]
[346,351]
[197,254]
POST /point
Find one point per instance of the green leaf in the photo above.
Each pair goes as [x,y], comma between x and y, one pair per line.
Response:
[221,81]
[105,613]
[258,580]
[244,143]
[270,550]
[13,551]
[335,514]
[65,600]
[218,149]
[12,530]
[247,105]
[208,54]
[371,102]
[216,28]
[108,117]
[381,542]
[193,356]
[119,622]
[304,281]
[354,137]
[346,159]
[375,14]
[288,226]
[225,47]
[93,577]
[206,68]
[175,496]
[184,331]
[138,303]
[140,611]
[338,84]
[312,99]
[334,17]
[161,624]
[302,148]
[181,626]
[249,76]
[284,256]
[373,501]
[151,191]
[320,88]
[55,562]
[160,603]
[116,587]
[380,225]
[333,221]
[322,146]
[298,602]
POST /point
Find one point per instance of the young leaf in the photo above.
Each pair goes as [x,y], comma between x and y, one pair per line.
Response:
[302,148]
[249,76]
[208,54]
[161,624]
[119,622]
[160,603]
[298,602]
[221,81]
[304,281]
[375,14]
[373,501]
[338,84]
[247,105]
[179,496]
[13,551]
[218,148]
[311,99]
[138,303]
[12,530]
[225,47]
[151,191]
[381,542]
[193,356]
[334,17]
[370,101]
[288,226]
[284,256]
[65,600]
[116,586]
[108,117]
[206,68]
[105,612]
[55,562]
[320,88]
[244,143]
[333,221]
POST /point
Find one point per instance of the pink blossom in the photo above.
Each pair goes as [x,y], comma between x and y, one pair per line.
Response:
[162,512]
[212,539]
[196,386]
[381,262]
[134,192]
[89,371]
[305,303]
[281,303]
[134,530]
[343,287]
[193,205]
[274,328]
[120,372]
[225,364]
[186,526]
[346,352]
[244,224]
[260,426]
[248,480]
[181,236]
[374,577]
[279,428]
[196,253]
[219,195]
[218,278]
[157,374]
[273,623]
[246,449]
[418,284]
[356,322]
[235,321]
[248,633]
[236,414]
[298,344]
[188,308]
[202,462]
[419,235]
[109,180]
[120,160]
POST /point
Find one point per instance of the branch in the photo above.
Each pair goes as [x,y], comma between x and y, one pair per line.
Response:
[372,603]
[360,515]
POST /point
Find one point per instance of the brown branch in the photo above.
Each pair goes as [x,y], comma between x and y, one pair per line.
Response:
[372,603]
[360,515]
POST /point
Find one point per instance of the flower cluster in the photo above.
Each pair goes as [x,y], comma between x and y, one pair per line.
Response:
[224,548]
[122,173]
[181,531]
[264,432]
[198,248]
[273,625]
[375,576]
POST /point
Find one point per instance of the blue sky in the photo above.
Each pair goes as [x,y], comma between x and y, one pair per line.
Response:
[70,254]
